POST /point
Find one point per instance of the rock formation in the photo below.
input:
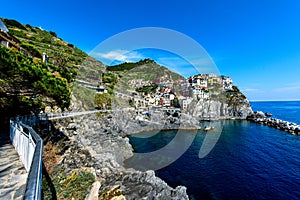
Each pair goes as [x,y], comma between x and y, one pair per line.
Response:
[237,107]
[105,141]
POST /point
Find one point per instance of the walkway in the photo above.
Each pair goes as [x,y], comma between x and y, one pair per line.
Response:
[52,116]
[13,175]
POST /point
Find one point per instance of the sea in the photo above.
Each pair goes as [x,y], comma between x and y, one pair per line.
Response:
[247,161]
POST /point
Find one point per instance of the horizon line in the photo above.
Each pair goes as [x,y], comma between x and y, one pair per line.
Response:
[274,100]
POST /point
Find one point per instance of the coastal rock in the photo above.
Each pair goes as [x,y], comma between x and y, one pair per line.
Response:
[101,143]
[256,115]
[216,110]
[290,127]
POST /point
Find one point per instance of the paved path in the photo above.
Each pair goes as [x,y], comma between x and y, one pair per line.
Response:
[12,172]
[52,116]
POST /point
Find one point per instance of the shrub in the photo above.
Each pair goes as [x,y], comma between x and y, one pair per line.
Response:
[147,89]
[73,186]
[103,101]
[70,45]
[46,40]
[13,23]
[110,78]
[76,185]
[21,73]
[32,50]
[53,33]
[18,33]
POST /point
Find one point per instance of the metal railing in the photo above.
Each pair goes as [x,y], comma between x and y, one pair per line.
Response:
[53,116]
[29,146]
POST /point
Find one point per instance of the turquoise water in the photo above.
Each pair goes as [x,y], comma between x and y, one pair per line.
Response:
[249,161]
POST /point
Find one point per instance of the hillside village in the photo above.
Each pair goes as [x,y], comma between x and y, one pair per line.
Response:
[166,94]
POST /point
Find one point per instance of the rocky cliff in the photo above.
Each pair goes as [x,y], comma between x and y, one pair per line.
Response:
[108,148]
[227,105]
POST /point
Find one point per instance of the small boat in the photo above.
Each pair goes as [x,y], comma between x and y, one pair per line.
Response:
[208,128]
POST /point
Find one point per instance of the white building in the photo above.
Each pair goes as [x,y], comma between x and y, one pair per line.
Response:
[227,82]
[199,93]
[185,102]
[101,90]
[5,43]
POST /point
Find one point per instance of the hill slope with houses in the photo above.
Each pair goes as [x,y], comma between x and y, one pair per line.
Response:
[148,87]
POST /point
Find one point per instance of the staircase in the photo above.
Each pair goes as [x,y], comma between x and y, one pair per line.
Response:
[13,175]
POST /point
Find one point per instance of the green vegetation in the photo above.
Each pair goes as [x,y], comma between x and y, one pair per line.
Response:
[103,101]
[90,70]
[69,179]
[13,23]
[53,33]
[147,89]
[110,78]
[56,48]
[30,85]
[146,69]
[235,96]
[85,95]
[118,77]
[108,195]
[129,66]
[131,103]
[75,185]
[176,103]
[31,49]
[27,86]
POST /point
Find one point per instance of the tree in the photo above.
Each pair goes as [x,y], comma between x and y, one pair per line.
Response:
[27,86]
[53,33]
[176,103]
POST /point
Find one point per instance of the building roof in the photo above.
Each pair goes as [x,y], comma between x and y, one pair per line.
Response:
[3,27]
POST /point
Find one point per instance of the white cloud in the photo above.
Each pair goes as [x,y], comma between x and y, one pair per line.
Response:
[202,61]
[250,90]
[288,88]
[119,55]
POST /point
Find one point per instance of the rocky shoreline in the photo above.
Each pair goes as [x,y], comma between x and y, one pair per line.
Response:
[164,129]
[261,118]
[104,138]
[100,142]
[108,146]
[103,141]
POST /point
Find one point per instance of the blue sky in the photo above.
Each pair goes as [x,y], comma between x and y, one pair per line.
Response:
[256,42]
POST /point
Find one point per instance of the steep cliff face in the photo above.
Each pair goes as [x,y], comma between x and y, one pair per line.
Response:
[229,104]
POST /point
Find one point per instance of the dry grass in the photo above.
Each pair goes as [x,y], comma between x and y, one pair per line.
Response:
[50,157]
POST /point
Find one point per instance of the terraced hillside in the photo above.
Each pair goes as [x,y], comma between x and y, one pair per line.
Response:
[60,53]
[31,81]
